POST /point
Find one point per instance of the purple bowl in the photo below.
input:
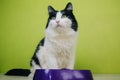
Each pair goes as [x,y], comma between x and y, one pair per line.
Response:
[62,74]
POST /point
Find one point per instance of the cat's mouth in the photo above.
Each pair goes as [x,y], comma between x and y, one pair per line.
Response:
[58,25]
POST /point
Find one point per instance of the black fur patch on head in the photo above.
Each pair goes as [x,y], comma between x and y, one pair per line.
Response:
[52,13]
[70,15]
[69,6]
[68,12]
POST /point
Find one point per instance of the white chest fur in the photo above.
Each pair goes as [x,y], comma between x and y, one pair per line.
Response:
[59,47]
[58,51]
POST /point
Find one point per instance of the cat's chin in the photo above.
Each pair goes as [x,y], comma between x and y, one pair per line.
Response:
[59,26]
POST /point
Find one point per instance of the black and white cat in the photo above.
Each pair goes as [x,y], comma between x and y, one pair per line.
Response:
[57,49]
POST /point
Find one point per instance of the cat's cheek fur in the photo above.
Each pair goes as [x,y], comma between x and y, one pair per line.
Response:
[66,23]
[52,24]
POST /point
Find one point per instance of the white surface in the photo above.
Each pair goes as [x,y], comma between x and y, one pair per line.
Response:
[106,76]
[3,77]
[96,77]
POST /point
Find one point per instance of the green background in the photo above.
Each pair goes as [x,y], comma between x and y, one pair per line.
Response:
[22,24]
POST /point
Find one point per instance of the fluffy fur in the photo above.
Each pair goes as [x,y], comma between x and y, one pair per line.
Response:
[57,49]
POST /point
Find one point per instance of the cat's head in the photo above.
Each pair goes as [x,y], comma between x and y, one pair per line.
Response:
[62,20]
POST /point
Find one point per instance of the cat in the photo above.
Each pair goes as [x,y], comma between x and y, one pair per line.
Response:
[57,49]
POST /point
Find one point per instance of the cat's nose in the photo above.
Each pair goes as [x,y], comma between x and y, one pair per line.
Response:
[57,21]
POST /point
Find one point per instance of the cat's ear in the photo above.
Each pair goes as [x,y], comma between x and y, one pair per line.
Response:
[69,7]
[51,9]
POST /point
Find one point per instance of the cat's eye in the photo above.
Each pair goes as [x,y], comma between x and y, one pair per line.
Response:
[63,16]
[53,18]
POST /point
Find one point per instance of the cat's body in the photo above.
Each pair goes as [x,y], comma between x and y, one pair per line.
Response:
[57,49]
